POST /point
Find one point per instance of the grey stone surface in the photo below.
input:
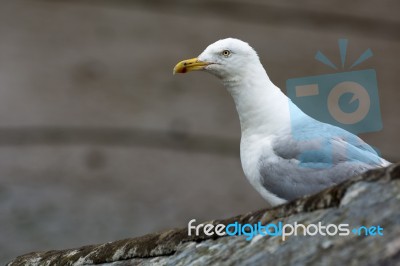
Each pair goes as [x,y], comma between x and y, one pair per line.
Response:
[371,199]
[88,103]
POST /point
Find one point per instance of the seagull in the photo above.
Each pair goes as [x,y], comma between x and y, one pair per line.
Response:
[285,154]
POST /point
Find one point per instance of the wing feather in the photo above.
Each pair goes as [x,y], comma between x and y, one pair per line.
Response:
[316,156]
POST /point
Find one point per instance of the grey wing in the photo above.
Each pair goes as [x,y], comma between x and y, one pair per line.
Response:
[287,180]
[305,167]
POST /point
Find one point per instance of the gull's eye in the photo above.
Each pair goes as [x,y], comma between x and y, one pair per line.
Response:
[226,53]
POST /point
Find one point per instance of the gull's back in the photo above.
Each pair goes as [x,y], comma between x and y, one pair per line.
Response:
[313,156]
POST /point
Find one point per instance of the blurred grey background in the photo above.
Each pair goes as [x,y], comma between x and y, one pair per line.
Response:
[99,141]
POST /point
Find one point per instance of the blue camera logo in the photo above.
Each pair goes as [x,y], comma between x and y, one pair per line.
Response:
[348,100]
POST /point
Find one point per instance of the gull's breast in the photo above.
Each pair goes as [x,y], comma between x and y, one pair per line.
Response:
[252,148]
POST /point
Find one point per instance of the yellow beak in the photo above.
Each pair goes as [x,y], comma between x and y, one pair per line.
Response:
[189,65]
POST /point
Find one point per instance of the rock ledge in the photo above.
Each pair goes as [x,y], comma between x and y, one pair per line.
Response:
[366,200]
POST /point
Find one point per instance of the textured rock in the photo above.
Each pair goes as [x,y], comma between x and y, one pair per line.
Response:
[370,199]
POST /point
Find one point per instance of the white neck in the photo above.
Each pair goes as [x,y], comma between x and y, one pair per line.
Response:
[262,107]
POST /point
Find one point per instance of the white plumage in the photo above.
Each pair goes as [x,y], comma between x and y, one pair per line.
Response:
[279,165]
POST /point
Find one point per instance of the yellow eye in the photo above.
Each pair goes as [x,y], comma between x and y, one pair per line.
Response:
[226,53]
